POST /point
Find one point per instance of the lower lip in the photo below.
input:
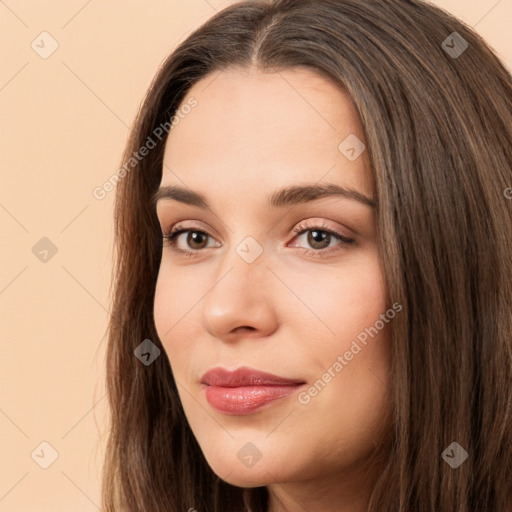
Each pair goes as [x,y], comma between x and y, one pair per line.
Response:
[246,399]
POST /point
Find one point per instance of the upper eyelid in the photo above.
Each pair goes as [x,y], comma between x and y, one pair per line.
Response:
[181,226]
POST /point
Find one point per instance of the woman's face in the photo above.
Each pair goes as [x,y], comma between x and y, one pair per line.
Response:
[273,283]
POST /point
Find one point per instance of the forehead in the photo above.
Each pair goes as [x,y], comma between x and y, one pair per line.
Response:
[265,128]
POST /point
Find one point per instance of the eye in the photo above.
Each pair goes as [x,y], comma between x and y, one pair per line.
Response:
[320,238]
[196,239]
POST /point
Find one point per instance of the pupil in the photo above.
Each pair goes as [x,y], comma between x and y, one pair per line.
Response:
[192,237]
[322,235]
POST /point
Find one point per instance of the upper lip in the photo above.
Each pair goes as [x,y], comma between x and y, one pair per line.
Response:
[244,376]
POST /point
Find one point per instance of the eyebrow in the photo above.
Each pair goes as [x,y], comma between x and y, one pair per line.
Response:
[288,196]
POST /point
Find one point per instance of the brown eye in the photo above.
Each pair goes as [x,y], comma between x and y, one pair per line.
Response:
[317,239]
[196,239]
[193,243]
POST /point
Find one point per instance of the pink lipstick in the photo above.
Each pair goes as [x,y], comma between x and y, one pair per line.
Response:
[245,390]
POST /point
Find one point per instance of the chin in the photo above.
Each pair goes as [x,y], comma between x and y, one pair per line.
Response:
[241,473]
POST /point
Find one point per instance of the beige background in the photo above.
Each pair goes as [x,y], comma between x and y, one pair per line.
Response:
[64,121]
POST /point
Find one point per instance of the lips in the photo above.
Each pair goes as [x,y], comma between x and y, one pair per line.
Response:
[244,376]
[245,390]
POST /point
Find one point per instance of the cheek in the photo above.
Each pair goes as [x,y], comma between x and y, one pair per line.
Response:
[164,305]
[345,301]
[174,314]
[176,293]
[356,350]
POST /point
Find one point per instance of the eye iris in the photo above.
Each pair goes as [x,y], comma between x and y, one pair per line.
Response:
[318,237]
[192,238]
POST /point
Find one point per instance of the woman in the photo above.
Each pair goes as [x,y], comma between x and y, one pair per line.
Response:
[313,283]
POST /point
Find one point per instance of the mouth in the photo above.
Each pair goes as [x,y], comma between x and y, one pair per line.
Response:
[245,390]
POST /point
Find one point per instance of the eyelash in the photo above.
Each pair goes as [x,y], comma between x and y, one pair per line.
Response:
[178,229]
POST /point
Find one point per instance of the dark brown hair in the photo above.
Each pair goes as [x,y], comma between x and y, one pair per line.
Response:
[438,130]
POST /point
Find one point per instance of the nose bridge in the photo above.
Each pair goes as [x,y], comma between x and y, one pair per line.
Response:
[244,270]
[241,293]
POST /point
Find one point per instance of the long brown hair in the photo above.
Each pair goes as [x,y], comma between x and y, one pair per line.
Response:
[437,117]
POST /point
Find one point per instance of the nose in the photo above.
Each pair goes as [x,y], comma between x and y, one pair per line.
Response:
[241,300]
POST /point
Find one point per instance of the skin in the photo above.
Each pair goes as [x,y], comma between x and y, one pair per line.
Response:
[288,313]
